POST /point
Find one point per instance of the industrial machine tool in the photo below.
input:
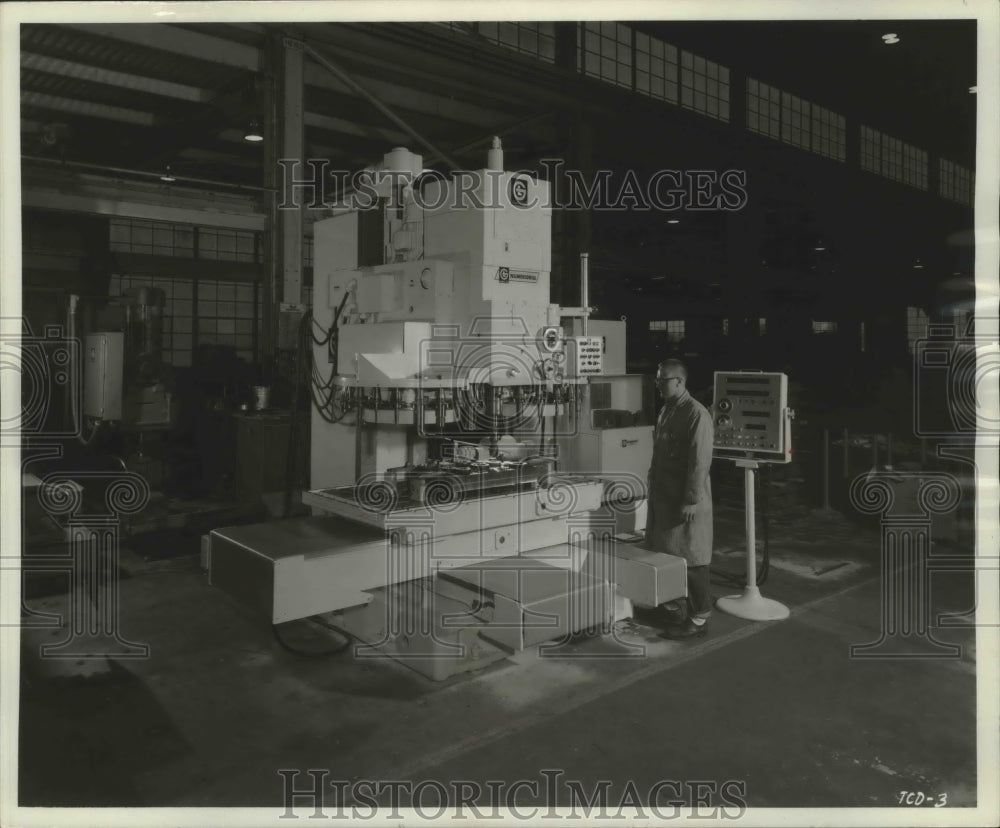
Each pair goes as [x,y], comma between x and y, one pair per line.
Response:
[124,382]
[470,456]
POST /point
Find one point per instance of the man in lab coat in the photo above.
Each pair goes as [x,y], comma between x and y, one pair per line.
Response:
[679,520]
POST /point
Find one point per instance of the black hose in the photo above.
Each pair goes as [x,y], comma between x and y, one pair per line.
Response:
[311,653]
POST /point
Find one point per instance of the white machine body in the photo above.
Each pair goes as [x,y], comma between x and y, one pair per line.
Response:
[463,426]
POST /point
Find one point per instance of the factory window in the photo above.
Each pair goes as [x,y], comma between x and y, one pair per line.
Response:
[704,86]
[226,245]
[725,327]
[829,133]
[914,167]
[658,326]
[763,109]
[954,182]
[158,238]
[162,238]
[916,326]
[795,117]
[537,39]
[870,150]
[178,313]
[823,326]
[892,158]
[675,330]
[762,326]
[225,315]
[604,50]
[655,68]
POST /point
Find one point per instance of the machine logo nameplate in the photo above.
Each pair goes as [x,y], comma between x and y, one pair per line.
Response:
[519,192]
[505,275]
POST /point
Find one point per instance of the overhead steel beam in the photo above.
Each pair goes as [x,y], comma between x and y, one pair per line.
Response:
[430,57]
[403,97]
[73,187]
[95,205]
[111,77]
[344,127]
[354,86]
[365,115]
[180,42]
[219,50]
[218,157]
[87,108]
[104,169]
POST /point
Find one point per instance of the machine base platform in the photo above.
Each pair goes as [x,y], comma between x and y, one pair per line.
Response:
[753,606]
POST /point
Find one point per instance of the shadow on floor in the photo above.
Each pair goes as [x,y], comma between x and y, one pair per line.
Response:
[84,740]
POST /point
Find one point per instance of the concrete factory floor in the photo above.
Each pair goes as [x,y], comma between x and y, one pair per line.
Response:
[218,707]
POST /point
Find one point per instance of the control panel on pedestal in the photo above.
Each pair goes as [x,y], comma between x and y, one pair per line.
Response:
[751,416]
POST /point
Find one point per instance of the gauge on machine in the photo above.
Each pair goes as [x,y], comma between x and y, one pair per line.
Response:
[724,422]
[725,405]
[551,338]
[426,278]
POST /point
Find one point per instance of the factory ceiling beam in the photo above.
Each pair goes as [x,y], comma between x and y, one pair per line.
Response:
[89,109]
[354,128]
[189,43]
[42,133]
[113,202]
[182,42]
[193,44]
[346,104]
[354,86]
[402,96]
[404,53]
[236,105]
[110,77]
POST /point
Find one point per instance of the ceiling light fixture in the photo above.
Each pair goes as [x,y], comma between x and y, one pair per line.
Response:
[167,174]
[254,134]
[673,221]
[973,90]
[820,246]
[918,265]
[890,37]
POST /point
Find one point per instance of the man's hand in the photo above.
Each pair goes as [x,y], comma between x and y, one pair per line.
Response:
[688,513]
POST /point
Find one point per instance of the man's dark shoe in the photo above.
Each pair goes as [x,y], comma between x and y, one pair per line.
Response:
[686,630]
[673,612]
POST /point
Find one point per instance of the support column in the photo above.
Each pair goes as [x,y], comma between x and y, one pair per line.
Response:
[268,294]
[290,221]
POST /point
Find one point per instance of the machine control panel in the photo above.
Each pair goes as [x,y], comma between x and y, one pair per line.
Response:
[587,357]
[751,416]
[104,355]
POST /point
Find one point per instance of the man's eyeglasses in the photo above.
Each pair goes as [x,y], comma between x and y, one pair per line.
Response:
[668,379]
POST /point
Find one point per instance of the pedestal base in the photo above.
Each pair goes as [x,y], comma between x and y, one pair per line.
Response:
[753,606]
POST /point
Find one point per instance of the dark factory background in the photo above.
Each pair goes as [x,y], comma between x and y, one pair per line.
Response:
[855,161]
